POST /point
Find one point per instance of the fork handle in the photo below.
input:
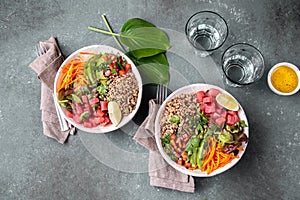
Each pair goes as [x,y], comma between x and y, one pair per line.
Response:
[62,122]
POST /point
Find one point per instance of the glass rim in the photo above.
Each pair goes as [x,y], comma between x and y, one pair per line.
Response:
[212,12]
[249,45]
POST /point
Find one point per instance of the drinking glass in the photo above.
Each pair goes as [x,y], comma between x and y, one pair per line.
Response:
[206,31]
[242,64]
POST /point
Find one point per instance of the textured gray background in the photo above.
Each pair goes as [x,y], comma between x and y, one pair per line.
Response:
[33,166]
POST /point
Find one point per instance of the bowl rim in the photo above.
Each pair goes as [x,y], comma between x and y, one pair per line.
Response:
[291,66]
[197,173]
[108,49]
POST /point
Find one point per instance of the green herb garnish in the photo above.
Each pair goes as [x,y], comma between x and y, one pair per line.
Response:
[175,119]
[102,89]
[84,116]
[165,140]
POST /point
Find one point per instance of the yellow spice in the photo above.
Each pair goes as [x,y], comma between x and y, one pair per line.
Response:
[284,79]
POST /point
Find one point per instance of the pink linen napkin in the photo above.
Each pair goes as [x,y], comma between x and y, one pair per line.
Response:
[161,174]
[46,67]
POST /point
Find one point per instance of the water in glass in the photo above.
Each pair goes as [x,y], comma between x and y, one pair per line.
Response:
[239,69]
[204,37]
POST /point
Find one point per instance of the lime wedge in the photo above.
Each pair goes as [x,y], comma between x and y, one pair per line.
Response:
[114,112]
[227,102]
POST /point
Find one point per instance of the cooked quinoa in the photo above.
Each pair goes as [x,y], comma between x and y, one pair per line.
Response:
[124,90]
[184,106]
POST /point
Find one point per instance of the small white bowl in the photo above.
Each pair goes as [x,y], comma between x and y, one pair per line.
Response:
[293,67]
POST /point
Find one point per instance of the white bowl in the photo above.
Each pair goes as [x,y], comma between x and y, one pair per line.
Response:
[193,89]
[293,67]
[103,49]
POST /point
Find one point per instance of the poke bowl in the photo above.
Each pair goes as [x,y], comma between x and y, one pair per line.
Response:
[201,130]
[98,89]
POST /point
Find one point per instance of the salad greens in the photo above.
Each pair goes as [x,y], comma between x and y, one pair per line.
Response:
[225,137]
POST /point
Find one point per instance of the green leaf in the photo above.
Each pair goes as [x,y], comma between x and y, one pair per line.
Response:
[142,53]
[102,89]
[158,59]
[135,23]
[154,73]
[140,34]
[84,116]
[225,137]
[154,69]
[192,143]
[242,123]
[147,45]
[75,98]
[175,119]
[165,140]
[140,23]
[145,38]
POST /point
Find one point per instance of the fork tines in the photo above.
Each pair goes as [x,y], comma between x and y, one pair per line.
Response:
[40,49]
[161,93]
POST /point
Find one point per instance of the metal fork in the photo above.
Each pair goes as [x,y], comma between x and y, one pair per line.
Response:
[161,93]
[41,50]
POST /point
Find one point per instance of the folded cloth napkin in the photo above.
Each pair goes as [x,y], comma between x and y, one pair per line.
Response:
[46,67]
[160,172]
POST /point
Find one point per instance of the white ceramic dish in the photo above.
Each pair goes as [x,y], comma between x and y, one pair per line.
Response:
[290,65]
[103,49]
[193,89]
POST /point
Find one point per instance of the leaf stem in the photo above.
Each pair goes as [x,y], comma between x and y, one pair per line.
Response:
[102,31]
[110,30]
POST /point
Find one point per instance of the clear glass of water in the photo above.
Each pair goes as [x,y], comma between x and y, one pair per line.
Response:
[242,64]
[206,31]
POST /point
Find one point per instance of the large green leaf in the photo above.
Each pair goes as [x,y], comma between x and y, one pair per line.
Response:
[159,59]
[154,69]
[135,23]
[137,52]
[152,73]
[147,46]
[142,53]
[145,38]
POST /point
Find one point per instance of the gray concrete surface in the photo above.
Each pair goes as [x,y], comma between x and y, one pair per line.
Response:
[33,166]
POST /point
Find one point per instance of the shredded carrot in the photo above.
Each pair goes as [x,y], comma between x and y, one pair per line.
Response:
[209,157]
[69,73]
[88,53]
[216,158]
